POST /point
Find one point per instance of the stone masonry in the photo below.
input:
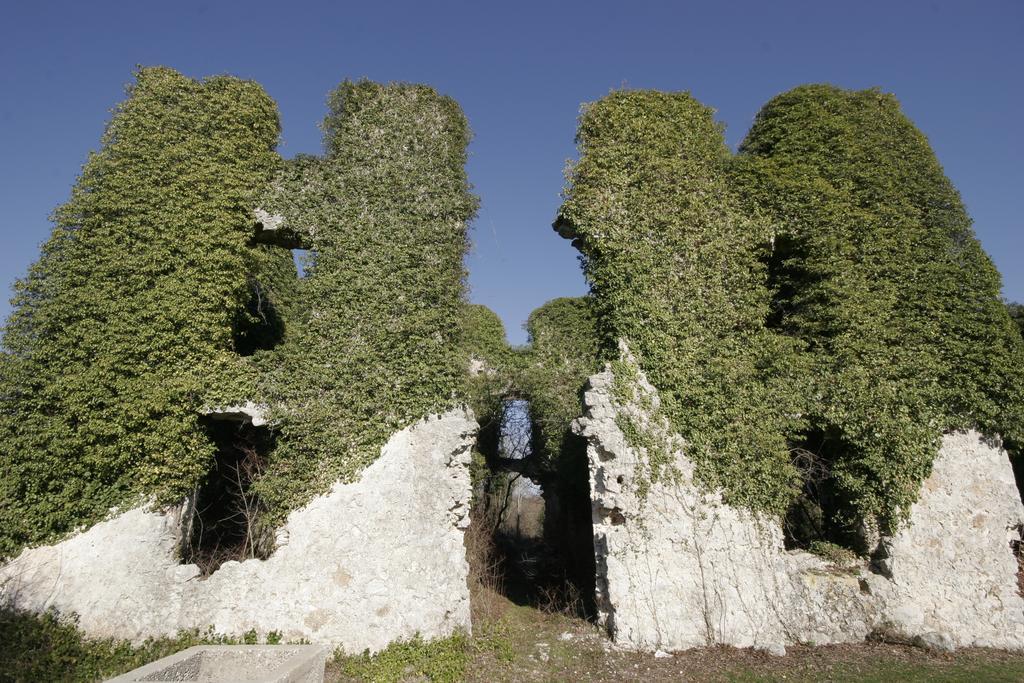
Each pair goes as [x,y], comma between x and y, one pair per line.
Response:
[369,562]
[679,568]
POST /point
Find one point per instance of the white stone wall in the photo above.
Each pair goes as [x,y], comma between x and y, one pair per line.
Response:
[367,563]
[953,577]
[679,568]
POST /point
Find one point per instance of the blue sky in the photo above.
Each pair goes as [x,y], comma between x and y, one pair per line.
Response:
[520,70]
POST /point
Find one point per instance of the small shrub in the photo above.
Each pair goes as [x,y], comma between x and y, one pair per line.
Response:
[831,552]
[50,647]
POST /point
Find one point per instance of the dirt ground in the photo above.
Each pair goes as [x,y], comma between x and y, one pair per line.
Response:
[518,643]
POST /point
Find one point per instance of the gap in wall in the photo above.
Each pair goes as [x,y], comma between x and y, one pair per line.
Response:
[224,520]
[533,527]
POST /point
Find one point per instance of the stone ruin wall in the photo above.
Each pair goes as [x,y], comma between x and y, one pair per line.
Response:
[369,562]
[682,569]
[382,558]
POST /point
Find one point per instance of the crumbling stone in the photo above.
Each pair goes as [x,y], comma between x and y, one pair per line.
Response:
[370,562]
[679,568]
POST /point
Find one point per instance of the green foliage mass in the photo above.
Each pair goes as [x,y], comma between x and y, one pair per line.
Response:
[136,314]
[483,336]
[1016,312]
[876,268]
[492,378]
[376,344]
[496,364]
[675,269]
[563,353]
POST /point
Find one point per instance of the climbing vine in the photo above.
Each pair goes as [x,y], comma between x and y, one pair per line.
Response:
[674,266]
[133,318]
[876,268]
[493,365]
[377,345]
[563,353]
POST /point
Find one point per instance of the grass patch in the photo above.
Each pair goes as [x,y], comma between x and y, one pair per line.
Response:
[442,660]
[834,553]
[50,647]
[517,644]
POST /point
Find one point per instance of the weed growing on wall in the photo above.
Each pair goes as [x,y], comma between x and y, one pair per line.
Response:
[139,308]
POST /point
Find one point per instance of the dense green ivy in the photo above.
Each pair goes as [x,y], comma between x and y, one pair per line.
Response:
[136,313]
[563,353]
[1016,312]
[493,364]
[674,266]
[876,268]
[483,336]
[376,345]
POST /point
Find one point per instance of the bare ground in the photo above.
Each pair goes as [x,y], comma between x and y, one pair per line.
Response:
[516,643]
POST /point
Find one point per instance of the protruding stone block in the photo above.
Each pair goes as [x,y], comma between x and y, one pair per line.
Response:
[236,663]
[274,229]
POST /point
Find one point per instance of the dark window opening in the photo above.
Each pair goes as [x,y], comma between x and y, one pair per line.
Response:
[224,518]
[259,326]
[1017,545]
[786,277]
[1017,464]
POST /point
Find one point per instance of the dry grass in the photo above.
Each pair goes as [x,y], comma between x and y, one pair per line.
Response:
[486,574]
[525,644]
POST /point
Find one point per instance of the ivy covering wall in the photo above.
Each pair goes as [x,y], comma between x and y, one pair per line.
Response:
[1016,312]
[563,354]
[493,364]
[877,269]
[674,265]
[133,317]
[377,346]
[822,289]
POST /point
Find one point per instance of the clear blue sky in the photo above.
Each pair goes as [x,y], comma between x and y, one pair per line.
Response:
[520,71]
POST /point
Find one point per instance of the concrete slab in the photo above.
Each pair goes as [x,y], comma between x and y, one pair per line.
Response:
[236,664]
